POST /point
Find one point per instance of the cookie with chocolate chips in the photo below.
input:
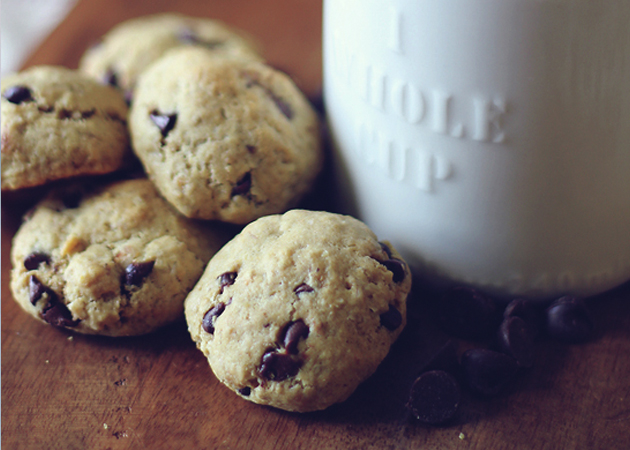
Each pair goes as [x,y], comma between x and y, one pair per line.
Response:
[113,260]
[58,123]
[130,47]
[298,309]
[225,139]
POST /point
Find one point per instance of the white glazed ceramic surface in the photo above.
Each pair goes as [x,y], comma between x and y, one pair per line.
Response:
[489,140]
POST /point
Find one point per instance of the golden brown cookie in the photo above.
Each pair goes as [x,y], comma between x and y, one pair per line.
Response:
[114,260]
[226,139]
[299,309]
[59,123]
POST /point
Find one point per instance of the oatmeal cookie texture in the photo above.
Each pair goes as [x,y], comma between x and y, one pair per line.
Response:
[127,49]
[227,139]
[298,309]
[114,260]
[58,123]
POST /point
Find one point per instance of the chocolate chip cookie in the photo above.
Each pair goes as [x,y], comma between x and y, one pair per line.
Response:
[226,139]
[58,123]
[127,49]
[298,309]
[114,260]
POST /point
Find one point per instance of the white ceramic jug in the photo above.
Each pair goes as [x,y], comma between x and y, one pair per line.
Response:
[488,140]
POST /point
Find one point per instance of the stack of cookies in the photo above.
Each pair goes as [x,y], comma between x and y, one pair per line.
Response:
[295,311]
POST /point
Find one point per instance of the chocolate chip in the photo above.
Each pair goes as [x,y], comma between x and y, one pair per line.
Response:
[226,279]
[391,319]
[54,312]
[445,359]
[487,372]
[32,261]
[466,313]
[283,106]
[36,289]
[71,199]
[128,96]
[292,333]
[64,114]
[528,310]
[397,268]
[569,320]
[58,315]
[516,339]
[111,78]
[165,122]
[211,316]
[278,366]
[243,185]
[18,94]
[135,273]
[386,249]
[251,148]
[87,114]
[245,391]
[303,288]
[434,397]
[188,36]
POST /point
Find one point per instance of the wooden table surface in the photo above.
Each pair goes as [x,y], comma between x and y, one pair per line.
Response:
[65,391]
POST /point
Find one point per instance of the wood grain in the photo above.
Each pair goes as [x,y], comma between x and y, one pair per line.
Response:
[65,391]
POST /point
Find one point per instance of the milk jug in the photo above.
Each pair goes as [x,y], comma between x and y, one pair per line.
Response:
[488,140]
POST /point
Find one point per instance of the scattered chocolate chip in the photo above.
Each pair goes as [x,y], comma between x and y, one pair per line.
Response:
[18,94]
[292,333]
[391,319]
[243,185]
[135,273]
[111,78]
[45,109]
[251,148]
[32,261]
[528,310]
[245,391]
[434,397]
[165,122]
[303,288]
[36,289]
[445,359]
[278,366]
[466,313]
[226,279]
[58,315]
[386,249]
[487,372]
[516,339]
[569,320]
[397,268]
[211,316]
